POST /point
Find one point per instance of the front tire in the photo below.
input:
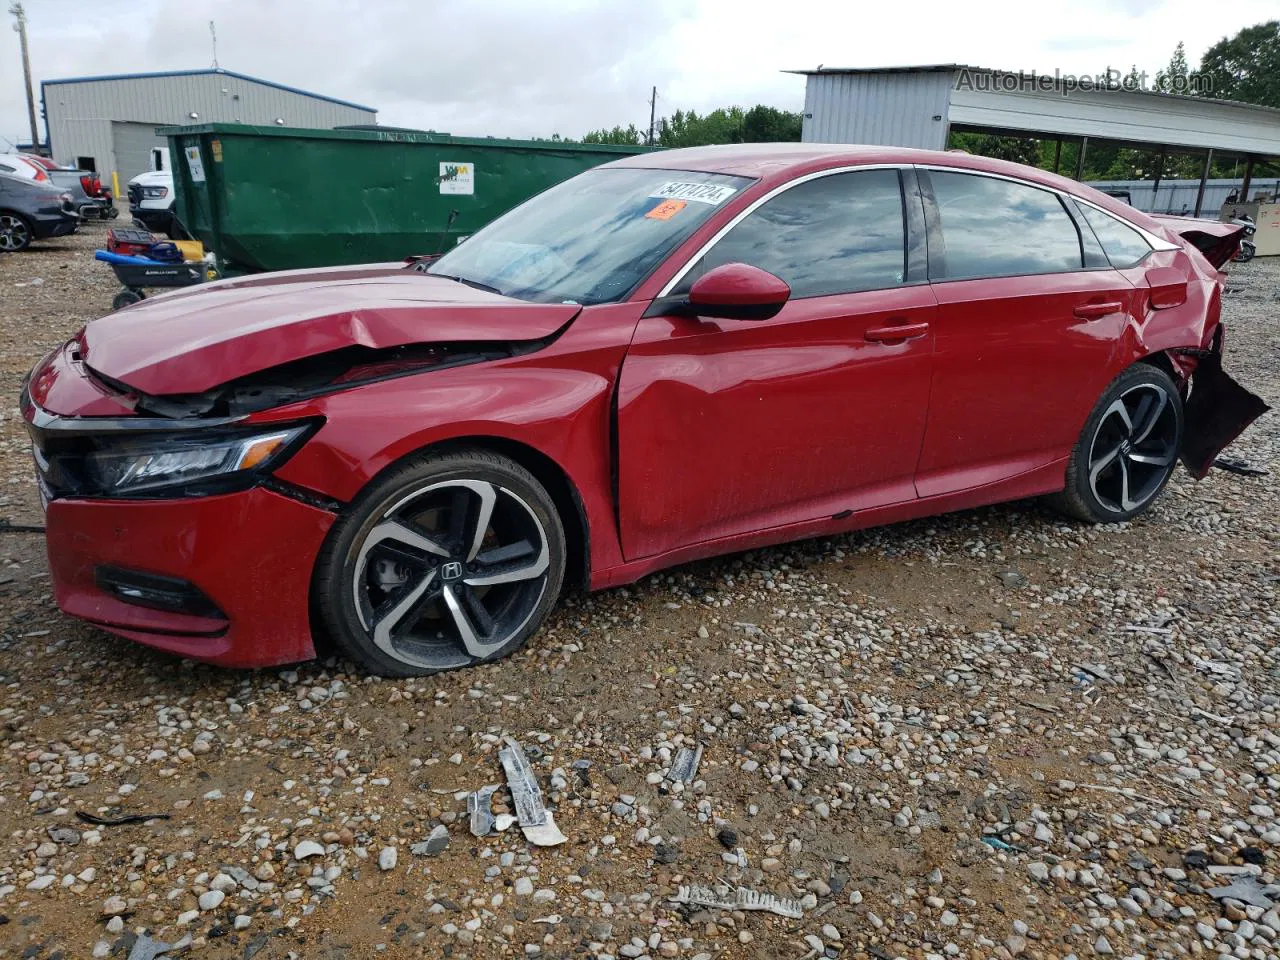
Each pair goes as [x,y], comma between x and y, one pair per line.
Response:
[1127,450]
[446,561]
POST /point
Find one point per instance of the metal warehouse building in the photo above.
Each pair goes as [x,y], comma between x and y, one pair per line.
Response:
[920,106]
[108,124]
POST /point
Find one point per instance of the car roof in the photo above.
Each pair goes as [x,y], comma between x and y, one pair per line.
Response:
[764,159]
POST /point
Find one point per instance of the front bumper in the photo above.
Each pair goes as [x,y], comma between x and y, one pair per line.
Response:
[250,553]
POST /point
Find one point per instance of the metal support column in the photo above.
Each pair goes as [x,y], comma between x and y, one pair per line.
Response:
[1155,189]
[1248,179]
[1084,146]
[1204,179]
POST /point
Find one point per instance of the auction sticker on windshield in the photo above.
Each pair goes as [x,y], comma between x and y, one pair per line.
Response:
[712,193]
[666,209]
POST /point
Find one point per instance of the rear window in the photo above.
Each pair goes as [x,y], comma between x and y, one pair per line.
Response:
[1124,245]
[999,228]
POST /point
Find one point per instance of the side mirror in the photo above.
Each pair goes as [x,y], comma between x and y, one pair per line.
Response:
[738,291]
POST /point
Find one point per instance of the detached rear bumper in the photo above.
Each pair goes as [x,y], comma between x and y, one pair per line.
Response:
[1217,411]
[231,574]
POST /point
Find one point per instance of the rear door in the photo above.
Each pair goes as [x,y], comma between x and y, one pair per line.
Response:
[727,427]
[1030,315]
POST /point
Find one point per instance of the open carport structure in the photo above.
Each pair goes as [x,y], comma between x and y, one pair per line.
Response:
[921,106]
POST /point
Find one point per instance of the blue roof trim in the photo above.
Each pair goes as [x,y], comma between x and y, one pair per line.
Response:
[210,72]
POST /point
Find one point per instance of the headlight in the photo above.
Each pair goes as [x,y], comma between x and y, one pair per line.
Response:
[155,193]
[187,464]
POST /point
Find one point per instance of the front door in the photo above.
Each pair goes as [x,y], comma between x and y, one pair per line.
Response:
[727,427]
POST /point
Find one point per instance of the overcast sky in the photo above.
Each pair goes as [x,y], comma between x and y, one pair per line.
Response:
[519,68]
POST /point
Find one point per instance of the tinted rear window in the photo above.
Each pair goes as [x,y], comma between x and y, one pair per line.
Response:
[998,228]
[1124,245]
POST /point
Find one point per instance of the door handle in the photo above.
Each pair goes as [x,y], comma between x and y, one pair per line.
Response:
[1092,311]
[905,331]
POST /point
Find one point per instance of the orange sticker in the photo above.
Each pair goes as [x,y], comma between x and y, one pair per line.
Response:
[666,210]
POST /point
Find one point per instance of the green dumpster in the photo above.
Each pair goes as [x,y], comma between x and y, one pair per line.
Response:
[278,198]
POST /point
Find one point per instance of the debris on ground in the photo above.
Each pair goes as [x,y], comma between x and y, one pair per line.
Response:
[535,819]
[684,766]
[737,898]
[480,808]
[437,842]
[1248,890]
[118,821]
[1242,467]
[144,948]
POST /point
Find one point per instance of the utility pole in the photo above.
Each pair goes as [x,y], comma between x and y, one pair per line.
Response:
[653,106]
[20,27]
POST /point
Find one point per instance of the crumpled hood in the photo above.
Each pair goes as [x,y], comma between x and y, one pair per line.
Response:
[193,340]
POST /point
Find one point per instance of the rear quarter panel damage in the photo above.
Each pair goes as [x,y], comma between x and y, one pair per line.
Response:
[1190,338]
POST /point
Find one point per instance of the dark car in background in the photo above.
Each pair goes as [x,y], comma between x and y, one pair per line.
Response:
[33,210]
[85,188]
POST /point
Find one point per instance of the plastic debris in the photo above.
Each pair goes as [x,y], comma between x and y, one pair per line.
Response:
[1246,890]
[1232,465]
[144,948]
[1195,859]
[437,842]
[737,898]
[535,819]
[118,821]
[995,843]
[684,767]
[479,805]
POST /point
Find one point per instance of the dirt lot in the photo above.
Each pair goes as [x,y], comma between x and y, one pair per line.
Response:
[991,734]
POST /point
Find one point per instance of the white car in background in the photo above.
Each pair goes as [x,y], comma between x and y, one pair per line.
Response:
[15,164]
[151,195]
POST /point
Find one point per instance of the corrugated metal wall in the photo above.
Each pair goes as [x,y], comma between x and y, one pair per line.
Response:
[1179,196]
[895,109]
[79,115]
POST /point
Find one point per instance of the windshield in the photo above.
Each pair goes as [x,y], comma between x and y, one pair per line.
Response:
[591,239]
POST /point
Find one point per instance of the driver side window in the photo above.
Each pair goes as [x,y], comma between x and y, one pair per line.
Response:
[836,234]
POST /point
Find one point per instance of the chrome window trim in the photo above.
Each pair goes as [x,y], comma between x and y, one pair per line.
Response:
[1155,242]
[757,204]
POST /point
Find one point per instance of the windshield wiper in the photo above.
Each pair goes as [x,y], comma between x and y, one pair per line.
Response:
[470,283]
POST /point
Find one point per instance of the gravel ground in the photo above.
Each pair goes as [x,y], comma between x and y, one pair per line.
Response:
[991,734]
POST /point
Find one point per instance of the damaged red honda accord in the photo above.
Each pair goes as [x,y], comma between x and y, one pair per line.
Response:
[671,356]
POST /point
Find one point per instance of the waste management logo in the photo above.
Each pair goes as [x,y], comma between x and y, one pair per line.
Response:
[457,178]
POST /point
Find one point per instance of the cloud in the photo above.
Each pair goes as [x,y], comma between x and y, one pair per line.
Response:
[519,69]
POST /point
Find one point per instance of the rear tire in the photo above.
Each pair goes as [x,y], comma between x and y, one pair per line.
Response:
[445,561]
[1127,450]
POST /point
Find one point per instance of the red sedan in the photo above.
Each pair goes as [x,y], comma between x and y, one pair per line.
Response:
[671,356]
